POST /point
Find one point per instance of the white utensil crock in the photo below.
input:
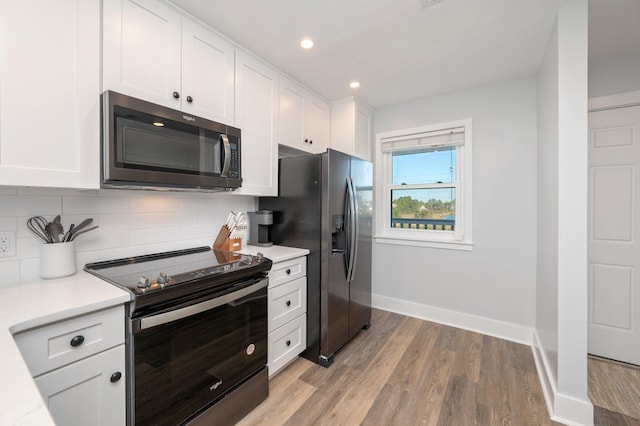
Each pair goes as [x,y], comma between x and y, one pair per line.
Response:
[57,260]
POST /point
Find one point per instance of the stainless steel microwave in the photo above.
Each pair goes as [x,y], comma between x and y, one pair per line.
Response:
[145,145]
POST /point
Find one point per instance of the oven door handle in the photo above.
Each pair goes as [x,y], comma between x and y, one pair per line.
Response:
[167,317]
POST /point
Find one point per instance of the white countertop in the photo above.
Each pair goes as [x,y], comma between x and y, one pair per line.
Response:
[276,253]
[32,304]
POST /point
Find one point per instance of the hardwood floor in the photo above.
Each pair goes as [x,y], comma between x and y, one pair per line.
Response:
[405,371]
[614,389]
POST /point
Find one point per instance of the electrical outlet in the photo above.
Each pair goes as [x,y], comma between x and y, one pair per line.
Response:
[7,243]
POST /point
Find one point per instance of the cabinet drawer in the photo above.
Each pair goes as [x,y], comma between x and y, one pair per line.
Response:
[288,270]
[287,302]
[286,343]
[64,342]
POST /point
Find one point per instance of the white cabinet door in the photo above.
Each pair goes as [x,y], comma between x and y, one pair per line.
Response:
[362,132]
[142,50]
[257,117]
[292,104]
[316,124]
[49,93]
[351,128]
[83,393]
[207,74]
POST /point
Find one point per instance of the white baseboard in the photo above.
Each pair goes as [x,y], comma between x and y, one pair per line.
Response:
[503,330]
[563,408]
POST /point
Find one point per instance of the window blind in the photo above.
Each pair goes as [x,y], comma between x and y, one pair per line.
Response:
[448,137]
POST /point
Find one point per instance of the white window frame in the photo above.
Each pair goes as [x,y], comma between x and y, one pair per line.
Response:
[460,238]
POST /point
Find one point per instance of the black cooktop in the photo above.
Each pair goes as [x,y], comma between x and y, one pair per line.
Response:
[178,272]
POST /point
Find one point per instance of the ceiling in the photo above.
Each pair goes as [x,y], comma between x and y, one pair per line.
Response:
[397,49]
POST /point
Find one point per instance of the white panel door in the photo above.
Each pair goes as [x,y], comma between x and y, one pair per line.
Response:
[207,74]
[50,93]
[614,235]
[257,117]
[142,50]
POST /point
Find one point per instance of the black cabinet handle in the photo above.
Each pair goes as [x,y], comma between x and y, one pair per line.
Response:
[189,99]
[311,141]
[288,302]
[306,141]
[176,95]
[288,271]
[77,341]
[115,377]
[288,342]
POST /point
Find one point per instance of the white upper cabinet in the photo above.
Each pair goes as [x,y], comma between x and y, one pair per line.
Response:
[304,118]
[207,74]
[49,93]
[317,119]
[257,117]
[351,128]
[153,53]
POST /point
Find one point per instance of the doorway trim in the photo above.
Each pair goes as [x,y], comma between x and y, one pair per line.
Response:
[619,100]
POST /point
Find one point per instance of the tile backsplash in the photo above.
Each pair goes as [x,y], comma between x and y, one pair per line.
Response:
[130,223]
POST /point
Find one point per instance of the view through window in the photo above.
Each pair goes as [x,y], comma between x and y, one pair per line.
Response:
[423,189]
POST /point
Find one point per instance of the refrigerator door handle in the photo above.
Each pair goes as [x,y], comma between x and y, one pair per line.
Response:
[356,232]
[353,229]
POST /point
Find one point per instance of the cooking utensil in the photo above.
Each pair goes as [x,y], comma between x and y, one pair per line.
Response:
[37,225]
[78,228]
[54,230]
[76,233]
[67,234]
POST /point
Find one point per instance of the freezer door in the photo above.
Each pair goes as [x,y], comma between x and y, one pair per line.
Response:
[360,285]
[335,288]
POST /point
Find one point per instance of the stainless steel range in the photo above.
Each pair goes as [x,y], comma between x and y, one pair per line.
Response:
[197,334]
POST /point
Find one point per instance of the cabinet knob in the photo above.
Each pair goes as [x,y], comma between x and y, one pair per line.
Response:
[77,341]
[115,377]
[288,271]
[311,141]
[288,302]
[288,342]
[189,99]
[306,141]
[176,95]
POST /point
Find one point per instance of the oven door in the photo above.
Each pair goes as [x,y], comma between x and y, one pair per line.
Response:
[186,359]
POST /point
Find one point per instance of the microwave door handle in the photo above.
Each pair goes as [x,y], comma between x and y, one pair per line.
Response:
[227,155]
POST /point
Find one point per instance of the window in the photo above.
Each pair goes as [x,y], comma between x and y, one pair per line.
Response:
[423,186]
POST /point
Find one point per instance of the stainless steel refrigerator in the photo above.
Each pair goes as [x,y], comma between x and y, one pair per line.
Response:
[325,204]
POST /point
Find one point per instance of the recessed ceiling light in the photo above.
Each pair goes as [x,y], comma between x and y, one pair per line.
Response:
[354,84]
[306,43]
[158,124]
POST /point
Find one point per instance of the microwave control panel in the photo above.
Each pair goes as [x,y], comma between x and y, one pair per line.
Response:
[235,166]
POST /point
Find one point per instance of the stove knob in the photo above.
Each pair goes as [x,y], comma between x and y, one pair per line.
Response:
[144,282]
[163,278]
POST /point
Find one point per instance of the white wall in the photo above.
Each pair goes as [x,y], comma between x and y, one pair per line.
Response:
[130,223]
[547,247]
[614,74]
[496,281]
[561,305]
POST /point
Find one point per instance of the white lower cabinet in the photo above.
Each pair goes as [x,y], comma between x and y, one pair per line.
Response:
[287,312]
[88,392]
[78,365]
